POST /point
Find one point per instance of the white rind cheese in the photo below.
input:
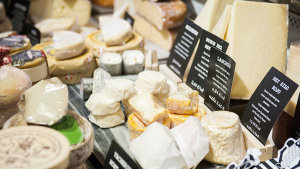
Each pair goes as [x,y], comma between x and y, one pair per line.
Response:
[67,44]
[119,89]
[133,61]
[109,120]
[111,62]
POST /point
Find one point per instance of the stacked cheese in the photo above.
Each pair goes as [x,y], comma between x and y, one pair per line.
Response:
[156,21]
[5,24]
[183,104]
[68,58]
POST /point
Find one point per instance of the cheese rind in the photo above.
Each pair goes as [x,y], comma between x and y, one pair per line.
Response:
[109,120]
[133,61]
[119,89]
[221,26]
[252,43]
[75,78]
[102,104]
[47,26]
[111,62]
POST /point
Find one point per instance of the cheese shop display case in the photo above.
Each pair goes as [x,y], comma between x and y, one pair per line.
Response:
[154,84]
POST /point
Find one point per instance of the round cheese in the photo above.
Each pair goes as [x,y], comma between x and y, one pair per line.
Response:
[226,141]
[16,43]
[5,25]
[13,82]
[95,41]
[47,26]
[75,78]
[119,89]
[133,61]
[38,72]
[67,44]
[109,120]
[81,63]
[111,62]
[33,147]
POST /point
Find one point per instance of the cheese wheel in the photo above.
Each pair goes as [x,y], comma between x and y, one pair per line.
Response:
[33,147]
[67,44]
[95,41]
[226,141]
[75,78]
[47,26]
[119,89]
[81,63]
[16,43]
[13,82]
[110,120]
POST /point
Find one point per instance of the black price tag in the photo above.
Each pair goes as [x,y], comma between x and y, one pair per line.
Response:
[18,13]
[118,158]
[219,80]
[198,74]
[267,103]
[128,18]
[296,121]
[183,47]
[32,33]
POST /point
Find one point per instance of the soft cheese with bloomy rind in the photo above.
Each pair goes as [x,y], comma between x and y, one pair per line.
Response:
[67,44]
[46,102]
[257,37]
[109,120]
[119,89]
[133,61]
[111,62]
[225,137]
[115,30]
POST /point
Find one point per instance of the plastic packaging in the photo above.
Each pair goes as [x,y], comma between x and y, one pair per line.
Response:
[119,89]
[100,78]
[183,102]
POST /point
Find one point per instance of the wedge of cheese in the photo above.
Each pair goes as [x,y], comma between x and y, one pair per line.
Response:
[109,120]
[211,13]
[183,102]
[111,62]
[163,38]
[163,15]
[221,27]
[115,30]
[148,108]
[253,45]
[46,102]
[49,25]
[67,44]
[119,89]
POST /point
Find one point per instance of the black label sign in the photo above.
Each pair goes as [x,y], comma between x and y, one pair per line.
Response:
[219,80]
[117,158]
[267,103]
[32,33]
[18,13]
[13,41]
[199,71]
[21,58]
[128,18]
[296,121]
[183,47]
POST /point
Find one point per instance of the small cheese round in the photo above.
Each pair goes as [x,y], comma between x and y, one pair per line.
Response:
[47,26]
[109,120]
[111,62]
[133,61]
[226,141]
[119,89]
[33,147]
[13,82]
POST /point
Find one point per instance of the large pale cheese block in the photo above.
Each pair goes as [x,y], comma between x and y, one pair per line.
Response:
[211,13]
[33,147]
[67,44]
[47,26]
[109,120]
[163,15]
[253,45]
[148,108]
[225,137]
[221,26]
[115,31]
[102,104]
[75,78]
[163,38]
[46,102]
[119,89]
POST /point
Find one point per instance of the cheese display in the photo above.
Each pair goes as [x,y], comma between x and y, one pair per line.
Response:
[67,44]
[99,80]
[95,41]
[163,15]
[13,44]
[156,148]
[111,62]
[115,31]
[133,61]
[183,102]
[13,82]
[109,120]
[80,63]
[33,147]
[119,89]
[102,104]
[148,108]
[78,9]
[257,22]
[226,141]
[46,102]
[49,25]
[153,82]
[5,25]
[75,78]
[194,144]
[221,26]
[163,38]
[211,13]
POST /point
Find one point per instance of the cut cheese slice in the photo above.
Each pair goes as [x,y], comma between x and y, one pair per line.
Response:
[211,13]
[67,44]
[111,62]
[119,89]
[46,102]
[47,26]
[148,108]
[253,45]
[163,15]
[183,102]
[94,41]
[115,30]
[153,82]
[75,78]
[133,61]
[226,141]
[109,120]
[221,26]
[102,104]
[163,38]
